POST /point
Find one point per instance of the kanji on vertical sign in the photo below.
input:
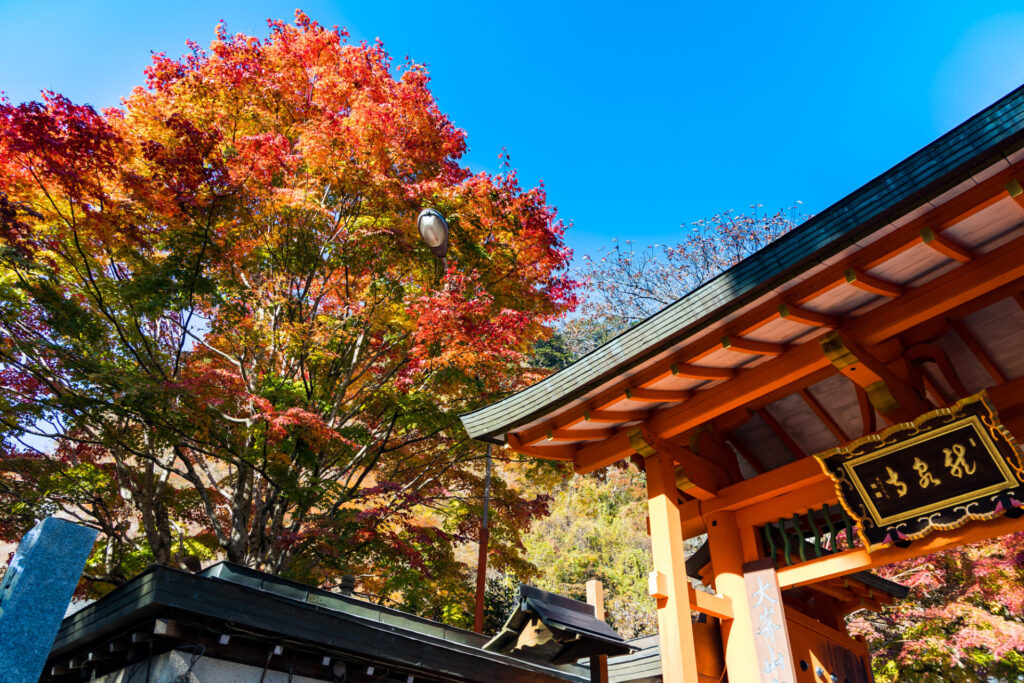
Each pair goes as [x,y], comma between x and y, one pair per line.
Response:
[768,618]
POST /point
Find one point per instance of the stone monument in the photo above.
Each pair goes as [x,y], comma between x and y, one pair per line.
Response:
[35,593]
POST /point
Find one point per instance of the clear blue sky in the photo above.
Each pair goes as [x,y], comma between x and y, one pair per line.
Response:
[638,118]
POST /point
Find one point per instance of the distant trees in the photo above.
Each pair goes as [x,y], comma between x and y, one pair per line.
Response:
[221,335]
[627,284]
[963,620]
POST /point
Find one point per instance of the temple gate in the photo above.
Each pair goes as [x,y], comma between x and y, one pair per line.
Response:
[850,396]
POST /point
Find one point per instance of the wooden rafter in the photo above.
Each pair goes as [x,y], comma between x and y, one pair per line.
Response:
[950,213]
[614,416]
[805,316]
[975,347]
[656,395]
[918,305]
[870,283]
[566,453]
[701,371]
[579,434]
[946,246]
[752,346]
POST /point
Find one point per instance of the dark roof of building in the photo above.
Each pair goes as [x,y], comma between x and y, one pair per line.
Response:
[262,610]
[574,629]
[983,140]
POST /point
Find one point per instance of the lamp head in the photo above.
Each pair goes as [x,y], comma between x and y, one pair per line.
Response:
[434,231]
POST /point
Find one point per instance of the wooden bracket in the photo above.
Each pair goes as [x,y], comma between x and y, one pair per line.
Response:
[694,475]
[1016,191]
[893,398]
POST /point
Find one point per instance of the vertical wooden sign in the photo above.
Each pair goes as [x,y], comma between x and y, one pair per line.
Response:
[768,619]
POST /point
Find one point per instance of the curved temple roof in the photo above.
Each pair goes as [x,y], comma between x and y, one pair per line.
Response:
[992,136]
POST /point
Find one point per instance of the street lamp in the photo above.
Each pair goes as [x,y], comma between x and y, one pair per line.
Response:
[434,231]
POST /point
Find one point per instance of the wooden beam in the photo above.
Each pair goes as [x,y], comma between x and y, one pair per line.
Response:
[859,559]
[579,434]
[565,453]
[657,396]
[824,416]
[807,317]
[712,605]
[889,394]
[701,371]
[946,246]
[778,482]
[872,284]
[752,346]
[868,419]
[810,497]
[614,416]
[702,479]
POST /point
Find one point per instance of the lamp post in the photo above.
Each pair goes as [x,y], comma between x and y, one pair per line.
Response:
[434,232]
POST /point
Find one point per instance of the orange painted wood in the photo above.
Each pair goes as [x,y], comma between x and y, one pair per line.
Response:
[706,477]
[712,605]
[969,281]
[675,630]
[1016,191]
[811,496]
[868,419]
[946,246]
[566,453]
[738,639]
[701,371]
[778,482]
[614,416]
[858,559]
[579,434]
[657,396]
[752,346]
[807,317]
[869,283]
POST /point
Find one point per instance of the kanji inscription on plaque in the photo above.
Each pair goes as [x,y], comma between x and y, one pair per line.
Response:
[946,468]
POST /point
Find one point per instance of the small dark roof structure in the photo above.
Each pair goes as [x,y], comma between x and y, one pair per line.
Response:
[232,613]
[552,628]
[992,136]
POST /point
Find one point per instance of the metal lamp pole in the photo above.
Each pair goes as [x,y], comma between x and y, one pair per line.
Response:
[434,231]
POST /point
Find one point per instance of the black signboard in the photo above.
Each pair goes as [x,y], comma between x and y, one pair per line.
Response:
[948,467]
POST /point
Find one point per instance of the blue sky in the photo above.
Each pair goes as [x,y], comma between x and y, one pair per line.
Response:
[639,118]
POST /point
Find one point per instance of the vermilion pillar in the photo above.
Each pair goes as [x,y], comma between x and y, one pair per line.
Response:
[669,584]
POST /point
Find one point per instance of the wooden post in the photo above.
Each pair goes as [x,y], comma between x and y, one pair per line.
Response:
[727,558]
[668,582]
[598,663]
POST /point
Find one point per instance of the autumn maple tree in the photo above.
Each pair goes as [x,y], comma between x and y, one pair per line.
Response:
[222,335]
[962,621]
